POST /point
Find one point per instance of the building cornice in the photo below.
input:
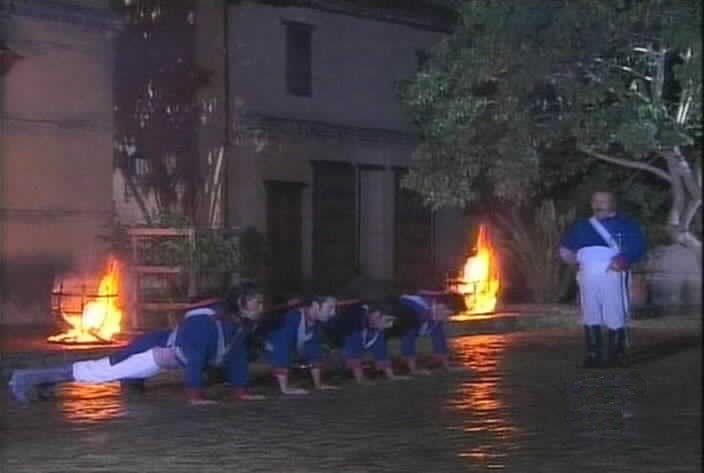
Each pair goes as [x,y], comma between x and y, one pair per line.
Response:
[413,13]
[270,125]
[75,123]
[48,10]
[38,215]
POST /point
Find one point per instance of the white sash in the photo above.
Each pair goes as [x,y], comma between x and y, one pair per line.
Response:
[367,343]
[427,327]
[171,341]
[613,244]
[221,349]
[303,335]
[416,299]
[601,230]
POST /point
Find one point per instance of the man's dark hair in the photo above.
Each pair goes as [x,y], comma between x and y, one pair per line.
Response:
[308,300]
[238,295]
[379,306]
[611,194]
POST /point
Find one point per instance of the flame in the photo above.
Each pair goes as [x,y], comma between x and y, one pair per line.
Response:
[101,316]
[480,280]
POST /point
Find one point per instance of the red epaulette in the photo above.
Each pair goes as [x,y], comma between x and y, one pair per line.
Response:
[346,302]
[203,303]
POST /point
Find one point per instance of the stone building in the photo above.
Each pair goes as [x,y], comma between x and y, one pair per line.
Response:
[301,135]
[298,133]
[319,142]
[55,147]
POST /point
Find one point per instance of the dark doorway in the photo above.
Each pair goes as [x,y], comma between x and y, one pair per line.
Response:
[284,228]
[413,255]
[334,225]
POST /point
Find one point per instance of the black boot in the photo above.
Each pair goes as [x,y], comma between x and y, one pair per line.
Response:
[592,339]
[22,382]
[617,348]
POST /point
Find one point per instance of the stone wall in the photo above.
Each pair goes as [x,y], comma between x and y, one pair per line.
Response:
[283,150]
[356,64]
[353,115]
[55,150]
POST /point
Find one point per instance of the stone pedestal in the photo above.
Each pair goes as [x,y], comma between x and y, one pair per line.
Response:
[674,276]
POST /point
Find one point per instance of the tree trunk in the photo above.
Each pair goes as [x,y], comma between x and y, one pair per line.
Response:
[686,201]
[134,188]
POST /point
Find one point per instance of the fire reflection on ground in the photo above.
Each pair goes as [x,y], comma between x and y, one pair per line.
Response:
[481,400]
[466,316]
[91,403]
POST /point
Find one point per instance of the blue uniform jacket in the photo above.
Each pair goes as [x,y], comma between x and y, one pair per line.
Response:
[202,339]
[352,328]
[294,336]
[626,232]
[417,308]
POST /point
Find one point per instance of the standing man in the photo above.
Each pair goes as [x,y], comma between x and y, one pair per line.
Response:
[603,247]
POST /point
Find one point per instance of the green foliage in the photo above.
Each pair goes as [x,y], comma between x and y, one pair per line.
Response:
[214,250]
[640,195]
[517,79]
[156,84]
[530,243]
[168,219]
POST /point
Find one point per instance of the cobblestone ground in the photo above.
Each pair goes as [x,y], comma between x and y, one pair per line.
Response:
[521,405]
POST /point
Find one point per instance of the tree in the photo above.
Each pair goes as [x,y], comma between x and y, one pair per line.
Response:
[615,82]
[156,112]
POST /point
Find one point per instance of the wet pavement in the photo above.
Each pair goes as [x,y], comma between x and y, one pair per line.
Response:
[520,405]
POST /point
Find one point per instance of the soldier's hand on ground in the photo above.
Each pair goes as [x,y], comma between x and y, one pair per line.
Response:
[399,377]
[421,372]
[202,402]
[251,397]
[295,391]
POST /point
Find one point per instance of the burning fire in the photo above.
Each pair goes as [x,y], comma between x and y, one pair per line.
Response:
[479,282]
[101,316]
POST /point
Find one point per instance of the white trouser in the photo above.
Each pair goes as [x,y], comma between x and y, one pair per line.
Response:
[138,366]
[603,293]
